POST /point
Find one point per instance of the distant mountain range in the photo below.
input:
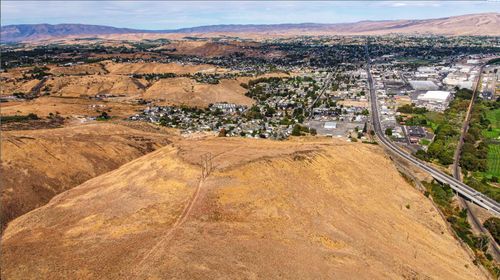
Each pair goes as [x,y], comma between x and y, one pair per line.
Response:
[474,24]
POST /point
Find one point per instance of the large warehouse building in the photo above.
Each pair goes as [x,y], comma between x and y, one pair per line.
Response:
[423,85]
[434,100]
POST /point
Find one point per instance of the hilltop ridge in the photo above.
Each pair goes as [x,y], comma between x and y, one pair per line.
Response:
[472,24]
[252,216]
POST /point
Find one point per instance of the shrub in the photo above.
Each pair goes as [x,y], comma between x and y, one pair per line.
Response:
[19,118]
[493,226]
[296,131]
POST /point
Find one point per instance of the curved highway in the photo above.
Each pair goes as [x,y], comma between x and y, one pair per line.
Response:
[461,188]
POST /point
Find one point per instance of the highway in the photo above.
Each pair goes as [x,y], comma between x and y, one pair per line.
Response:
[459,187]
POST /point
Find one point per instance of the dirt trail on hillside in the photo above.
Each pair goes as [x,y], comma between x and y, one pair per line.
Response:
[303,208]
[142,265]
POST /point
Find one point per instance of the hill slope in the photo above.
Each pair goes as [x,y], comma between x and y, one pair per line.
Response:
[39,164]
[295,209]
[473,24]
[21,32]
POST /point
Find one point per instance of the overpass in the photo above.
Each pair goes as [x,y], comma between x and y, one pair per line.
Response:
[459,187]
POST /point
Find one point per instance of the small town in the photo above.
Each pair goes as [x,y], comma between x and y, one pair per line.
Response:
[250,139]
[309,103]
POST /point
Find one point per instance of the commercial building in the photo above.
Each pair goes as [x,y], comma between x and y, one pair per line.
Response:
[423,85]
[434,100]
[330,125]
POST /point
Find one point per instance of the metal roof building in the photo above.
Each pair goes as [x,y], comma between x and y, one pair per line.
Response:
[423,85]
[435,96]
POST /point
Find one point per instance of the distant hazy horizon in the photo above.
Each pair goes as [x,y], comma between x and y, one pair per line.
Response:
[171,15]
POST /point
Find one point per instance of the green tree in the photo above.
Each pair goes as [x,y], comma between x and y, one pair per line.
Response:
[493,226]
[296,131]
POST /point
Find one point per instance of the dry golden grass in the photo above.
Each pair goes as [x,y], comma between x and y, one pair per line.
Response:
[304,208]
[72,82]
[15,73]
[90,85]
[354,103]
[38,164]
[10,86]
[80,69]
[212,49]
[70,107]
[186,91]
[155,67]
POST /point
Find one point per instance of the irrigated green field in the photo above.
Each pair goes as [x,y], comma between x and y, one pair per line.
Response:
[494,160]
[493,134]
[494,117]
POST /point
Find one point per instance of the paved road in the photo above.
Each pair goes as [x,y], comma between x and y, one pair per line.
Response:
[461,188]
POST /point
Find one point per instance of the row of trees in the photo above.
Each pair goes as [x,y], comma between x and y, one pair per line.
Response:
[443,195]
[474,155]
[447,130]
[299,130]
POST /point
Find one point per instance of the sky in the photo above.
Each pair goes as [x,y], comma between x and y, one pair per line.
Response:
[178,14]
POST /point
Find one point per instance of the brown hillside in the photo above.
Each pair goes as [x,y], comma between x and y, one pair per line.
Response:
[81,69]
[187,91]
[90,85]
[483,24]
[216,49]
[154,67]
[11,86]
[69,107]
[38,164]
[294,209]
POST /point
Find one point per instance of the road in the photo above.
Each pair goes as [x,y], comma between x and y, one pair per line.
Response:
[459,187]
[465,127]
[327,85]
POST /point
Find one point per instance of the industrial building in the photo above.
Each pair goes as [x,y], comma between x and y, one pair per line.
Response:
[434,100]
[423,85]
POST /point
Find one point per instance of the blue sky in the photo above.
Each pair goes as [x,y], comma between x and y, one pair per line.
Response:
[169,15]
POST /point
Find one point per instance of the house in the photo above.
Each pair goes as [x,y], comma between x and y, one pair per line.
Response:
[415,133]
